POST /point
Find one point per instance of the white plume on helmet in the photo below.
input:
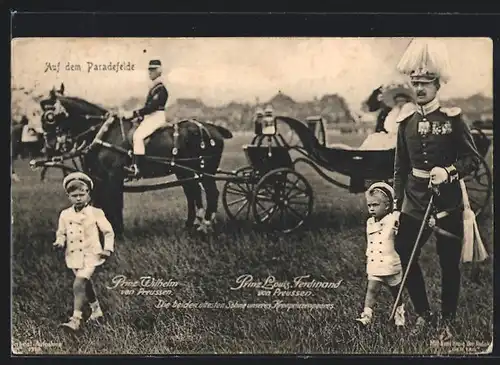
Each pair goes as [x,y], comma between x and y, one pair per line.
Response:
[426,58]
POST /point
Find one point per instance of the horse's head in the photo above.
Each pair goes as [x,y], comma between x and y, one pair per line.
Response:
[67,121]
[374,101]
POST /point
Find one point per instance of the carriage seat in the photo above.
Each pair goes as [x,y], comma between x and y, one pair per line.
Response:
[267,158]
[373,142]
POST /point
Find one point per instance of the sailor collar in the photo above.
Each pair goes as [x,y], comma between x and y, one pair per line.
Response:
[85,210]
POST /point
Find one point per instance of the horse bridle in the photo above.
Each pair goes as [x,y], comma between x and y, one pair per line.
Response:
[49,118]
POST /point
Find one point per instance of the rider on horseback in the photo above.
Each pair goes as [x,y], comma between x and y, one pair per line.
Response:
[153,114]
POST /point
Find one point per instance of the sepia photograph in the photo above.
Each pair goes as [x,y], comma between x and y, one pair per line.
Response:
[252,196]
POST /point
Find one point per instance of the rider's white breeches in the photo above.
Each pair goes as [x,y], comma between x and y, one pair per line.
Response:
[150,123]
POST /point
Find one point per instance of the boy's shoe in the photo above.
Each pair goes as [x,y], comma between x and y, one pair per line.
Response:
[399,316]
[95,316]
[364,319]
[72,324]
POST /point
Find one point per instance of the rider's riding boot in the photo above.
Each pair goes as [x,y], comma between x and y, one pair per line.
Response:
[137,164]
[133,169]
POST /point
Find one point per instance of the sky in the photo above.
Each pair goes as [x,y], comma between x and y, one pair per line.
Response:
[220,70]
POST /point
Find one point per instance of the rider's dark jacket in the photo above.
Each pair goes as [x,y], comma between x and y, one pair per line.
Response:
[156,99]
[429,137]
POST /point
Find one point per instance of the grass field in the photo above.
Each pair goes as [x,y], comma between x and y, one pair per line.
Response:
[331,249]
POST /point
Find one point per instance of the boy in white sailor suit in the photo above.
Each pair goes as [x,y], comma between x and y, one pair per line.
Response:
[78,230]
[383,266]
[153,114]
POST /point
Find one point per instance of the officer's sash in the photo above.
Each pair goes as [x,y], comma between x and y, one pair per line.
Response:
[473,249]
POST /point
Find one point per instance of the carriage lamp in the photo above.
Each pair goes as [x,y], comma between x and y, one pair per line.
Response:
[259,115]
[269,122]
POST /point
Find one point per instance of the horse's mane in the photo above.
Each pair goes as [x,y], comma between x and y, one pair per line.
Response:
[81,106]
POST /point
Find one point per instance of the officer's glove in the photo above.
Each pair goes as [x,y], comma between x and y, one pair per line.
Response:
[439,175]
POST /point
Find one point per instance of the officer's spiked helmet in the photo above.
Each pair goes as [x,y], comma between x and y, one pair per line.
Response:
[425,60]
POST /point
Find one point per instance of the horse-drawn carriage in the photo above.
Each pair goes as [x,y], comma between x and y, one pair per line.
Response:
[272,177]
[270,190]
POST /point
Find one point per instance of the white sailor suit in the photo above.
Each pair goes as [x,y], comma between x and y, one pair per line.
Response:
[80,232]
[382,259]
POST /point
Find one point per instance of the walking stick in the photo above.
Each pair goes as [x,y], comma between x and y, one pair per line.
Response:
[419,236]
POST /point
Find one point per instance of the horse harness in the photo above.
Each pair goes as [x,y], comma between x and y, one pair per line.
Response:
[202,129]
[204,133]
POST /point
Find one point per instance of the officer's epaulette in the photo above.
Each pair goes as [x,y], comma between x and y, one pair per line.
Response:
[406,111]
[451,112]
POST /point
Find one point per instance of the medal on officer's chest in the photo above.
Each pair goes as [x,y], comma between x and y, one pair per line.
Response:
[424,127]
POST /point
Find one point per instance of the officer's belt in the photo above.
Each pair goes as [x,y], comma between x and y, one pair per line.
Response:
[426,175]
[421,173]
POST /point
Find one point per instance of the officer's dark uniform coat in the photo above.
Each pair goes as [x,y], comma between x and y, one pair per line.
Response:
[435,137]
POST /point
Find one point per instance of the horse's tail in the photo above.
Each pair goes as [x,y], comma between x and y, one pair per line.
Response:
[225,133]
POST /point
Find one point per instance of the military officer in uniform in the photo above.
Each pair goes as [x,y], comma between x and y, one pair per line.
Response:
[434,145]
[153,114]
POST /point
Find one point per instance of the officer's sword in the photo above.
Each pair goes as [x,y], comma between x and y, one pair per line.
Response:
[419,236]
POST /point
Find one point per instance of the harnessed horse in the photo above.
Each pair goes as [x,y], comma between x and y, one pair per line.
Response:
[190,149]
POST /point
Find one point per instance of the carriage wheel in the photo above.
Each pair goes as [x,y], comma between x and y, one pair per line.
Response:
[481,141]
[479,187]
[283,199]
[236,196]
